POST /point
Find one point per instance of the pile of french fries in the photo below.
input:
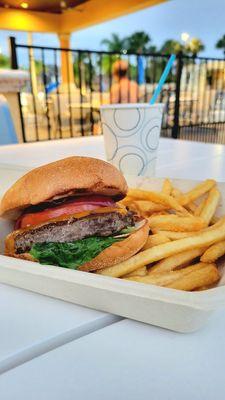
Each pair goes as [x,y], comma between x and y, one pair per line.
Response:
[185,238]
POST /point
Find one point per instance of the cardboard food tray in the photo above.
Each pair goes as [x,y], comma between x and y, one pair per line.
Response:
[172,309]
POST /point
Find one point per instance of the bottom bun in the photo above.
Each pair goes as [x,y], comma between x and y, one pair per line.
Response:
[119,251]
[22,256]
[116,253]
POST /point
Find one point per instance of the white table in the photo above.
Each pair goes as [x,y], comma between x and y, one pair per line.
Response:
[175,156]
[31,324]
[125,359]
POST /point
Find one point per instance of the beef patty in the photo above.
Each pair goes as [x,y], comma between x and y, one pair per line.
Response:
[73,229]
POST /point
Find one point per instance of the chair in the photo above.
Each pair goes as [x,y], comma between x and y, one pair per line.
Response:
[7,130]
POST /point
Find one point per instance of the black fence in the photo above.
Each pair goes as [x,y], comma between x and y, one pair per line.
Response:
[67,87]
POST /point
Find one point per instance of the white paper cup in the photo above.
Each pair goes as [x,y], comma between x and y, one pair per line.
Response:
[131,136]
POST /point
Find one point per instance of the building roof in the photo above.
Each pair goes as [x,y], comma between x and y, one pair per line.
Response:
[64,16]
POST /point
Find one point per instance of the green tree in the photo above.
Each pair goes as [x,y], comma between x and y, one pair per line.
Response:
[194,46]
[86,69]
[115,44]
[172,46]
[221,44]
[107,62]
[4,61]
[139,42]
[81,68]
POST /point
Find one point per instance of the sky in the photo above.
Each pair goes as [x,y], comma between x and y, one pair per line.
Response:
[204,19]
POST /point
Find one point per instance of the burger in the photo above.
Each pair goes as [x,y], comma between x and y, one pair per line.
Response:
[67,214]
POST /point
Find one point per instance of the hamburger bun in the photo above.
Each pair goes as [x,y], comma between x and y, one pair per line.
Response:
[119,251]
[68,177]
[116,253]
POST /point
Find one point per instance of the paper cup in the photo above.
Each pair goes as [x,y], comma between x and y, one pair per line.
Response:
[131,135]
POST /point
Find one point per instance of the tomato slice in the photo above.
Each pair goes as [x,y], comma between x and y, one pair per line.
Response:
[72,207]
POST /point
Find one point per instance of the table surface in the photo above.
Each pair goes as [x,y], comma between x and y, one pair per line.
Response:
[126,360]
[53,349]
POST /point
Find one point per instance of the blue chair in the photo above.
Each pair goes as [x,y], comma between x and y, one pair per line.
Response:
[7,129]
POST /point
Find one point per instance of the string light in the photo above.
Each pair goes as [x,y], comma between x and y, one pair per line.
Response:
[24,5]
[185,37]
[63,4]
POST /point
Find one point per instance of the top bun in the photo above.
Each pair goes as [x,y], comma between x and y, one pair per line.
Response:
[67,177]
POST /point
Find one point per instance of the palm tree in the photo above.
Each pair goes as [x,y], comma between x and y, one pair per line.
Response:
[107,62]
[194,46]
[139,42]
[115,44]
[172,46]
[221,44]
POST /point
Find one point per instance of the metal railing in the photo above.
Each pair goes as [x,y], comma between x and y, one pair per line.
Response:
[67,87]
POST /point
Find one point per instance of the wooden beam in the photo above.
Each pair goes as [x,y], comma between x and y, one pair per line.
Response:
[67,73]
[98,11]
[93,12]
[30,21]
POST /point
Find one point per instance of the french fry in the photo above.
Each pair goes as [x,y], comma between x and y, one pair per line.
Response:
[206,238]
[200,207]
[148,206]
[155,240]
[174,235]
[177,193]
[198,191]
[177,260]
[214,252]
[191,207]
[188,278]
[161,279]
[142,271]
[207,275]
[157,197]
[126,201]
[167,186]
[180,235]
[176,223]
[210,205]
[159,213]
[214,220]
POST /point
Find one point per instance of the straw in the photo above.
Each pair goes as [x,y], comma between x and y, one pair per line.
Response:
[163,79]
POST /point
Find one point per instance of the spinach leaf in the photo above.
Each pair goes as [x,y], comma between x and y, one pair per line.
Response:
[71,254]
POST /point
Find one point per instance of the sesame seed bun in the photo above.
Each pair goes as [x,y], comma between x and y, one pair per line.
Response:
[68,177]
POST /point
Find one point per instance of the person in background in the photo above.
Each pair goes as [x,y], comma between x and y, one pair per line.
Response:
[123,90]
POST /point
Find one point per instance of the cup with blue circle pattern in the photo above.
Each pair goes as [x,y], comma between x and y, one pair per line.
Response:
[131,136]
